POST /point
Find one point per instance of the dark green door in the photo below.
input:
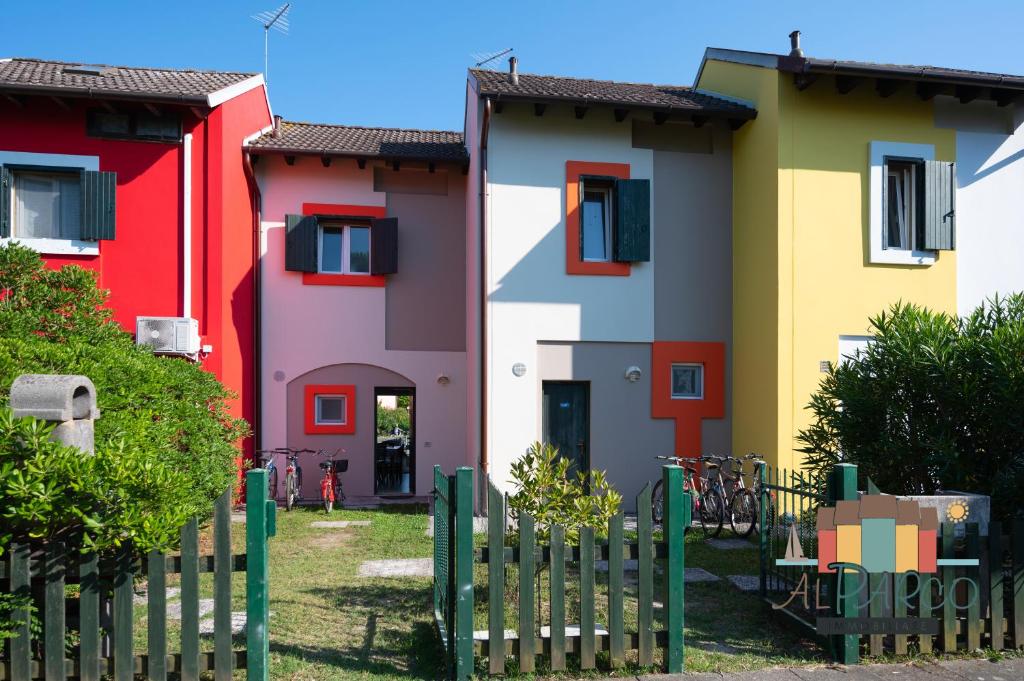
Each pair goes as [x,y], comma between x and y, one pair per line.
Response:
[567,421]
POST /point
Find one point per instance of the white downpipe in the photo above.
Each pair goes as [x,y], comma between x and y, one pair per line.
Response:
[186,227]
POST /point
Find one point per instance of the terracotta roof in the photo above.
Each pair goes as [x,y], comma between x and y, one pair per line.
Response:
[189,86]
[584,91]
[349,140]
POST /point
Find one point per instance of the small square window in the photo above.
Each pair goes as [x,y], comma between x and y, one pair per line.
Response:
[344,249]
[47,205]
[687,381]
[330,410]
[596,221]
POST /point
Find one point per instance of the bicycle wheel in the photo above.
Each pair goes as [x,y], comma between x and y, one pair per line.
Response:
[712,511]
[743,512]
[328,500]
[289,491]
[272,484]
[657,503]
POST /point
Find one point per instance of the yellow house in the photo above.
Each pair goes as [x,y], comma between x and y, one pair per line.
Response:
[843,204]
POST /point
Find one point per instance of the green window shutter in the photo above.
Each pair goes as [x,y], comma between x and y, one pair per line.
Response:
[384,246]
[632,221]
[5,202]
[300,239]
[939,205]
[99,190]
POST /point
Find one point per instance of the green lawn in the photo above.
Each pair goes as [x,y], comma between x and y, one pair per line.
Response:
[329,623]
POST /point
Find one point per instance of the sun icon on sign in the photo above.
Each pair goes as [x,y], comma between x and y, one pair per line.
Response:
[958,511]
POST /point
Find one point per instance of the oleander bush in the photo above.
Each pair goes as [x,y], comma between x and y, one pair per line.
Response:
[934,402]
[166,443]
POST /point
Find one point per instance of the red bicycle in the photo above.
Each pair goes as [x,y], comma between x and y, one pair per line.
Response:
[691,486]
[330,485]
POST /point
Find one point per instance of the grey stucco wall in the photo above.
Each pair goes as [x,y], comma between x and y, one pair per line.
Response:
[693,251]
[426,298]
[624,439]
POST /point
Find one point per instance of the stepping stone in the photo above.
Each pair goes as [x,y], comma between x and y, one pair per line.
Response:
[398,567]
[139,599]
[484,635]
[205,608]
[479,525]
[238,518]
[699,575]
[574,630]
[730,544]
[629,565]
[237,624]
[746,583]
[340,523]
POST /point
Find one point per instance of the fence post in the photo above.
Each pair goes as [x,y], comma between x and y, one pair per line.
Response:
[845,648]
[463,574]
[762,535]
[259,522]
[677,518]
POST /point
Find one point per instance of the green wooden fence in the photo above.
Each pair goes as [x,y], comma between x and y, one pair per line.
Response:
[572,585]
[993,619]
[90,635]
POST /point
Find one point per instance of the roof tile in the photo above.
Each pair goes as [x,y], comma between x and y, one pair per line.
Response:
[347,140]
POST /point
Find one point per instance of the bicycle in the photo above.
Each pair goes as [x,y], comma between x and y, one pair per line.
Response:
[293,476]
[691,486]
[266,457]
[758,492]
[330,485]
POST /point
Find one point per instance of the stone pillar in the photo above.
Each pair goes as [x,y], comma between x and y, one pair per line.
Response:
[67,401]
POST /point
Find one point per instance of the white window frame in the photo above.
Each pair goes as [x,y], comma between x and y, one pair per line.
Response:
[344,409]
[908,186]
[346,249]
[700,387]
[50,162]
[607,192]
[878,184]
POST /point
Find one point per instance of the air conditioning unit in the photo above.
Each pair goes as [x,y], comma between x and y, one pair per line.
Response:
[168,335]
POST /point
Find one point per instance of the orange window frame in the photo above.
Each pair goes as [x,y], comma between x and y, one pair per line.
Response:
[346,391]
[574,262]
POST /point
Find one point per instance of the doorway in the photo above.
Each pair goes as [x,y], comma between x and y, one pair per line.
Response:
[394,452]
[566,421]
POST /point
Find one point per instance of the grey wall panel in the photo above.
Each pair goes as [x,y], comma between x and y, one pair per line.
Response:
[426,298]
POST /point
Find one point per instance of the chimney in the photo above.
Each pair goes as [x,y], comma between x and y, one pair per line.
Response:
[513,72]
[276,133]
[794,44]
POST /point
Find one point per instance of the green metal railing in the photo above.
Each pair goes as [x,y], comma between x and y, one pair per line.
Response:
[102,614]
[453,568]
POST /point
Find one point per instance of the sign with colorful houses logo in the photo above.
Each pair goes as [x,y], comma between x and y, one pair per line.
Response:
[875,536]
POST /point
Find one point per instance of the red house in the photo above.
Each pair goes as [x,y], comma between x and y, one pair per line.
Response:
[139,174]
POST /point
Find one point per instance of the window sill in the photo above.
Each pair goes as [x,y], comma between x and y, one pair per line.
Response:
[370,280]
[894,256]
[57,246]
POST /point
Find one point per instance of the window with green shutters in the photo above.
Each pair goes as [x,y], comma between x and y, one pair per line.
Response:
[615,220]
[57,203]
[341,245]
[918,205]
[300,243]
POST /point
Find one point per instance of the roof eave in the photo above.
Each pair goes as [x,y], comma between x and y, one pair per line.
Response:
[92,93]
[334,153]
[744,114]
[924,74]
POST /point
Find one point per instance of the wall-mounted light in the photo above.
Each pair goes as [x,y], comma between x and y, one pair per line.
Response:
[633,374]
[518,369]
[443,379]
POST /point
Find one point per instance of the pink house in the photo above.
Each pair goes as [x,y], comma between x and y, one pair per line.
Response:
[363,301]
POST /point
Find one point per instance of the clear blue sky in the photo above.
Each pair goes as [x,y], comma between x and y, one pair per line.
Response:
[403,64]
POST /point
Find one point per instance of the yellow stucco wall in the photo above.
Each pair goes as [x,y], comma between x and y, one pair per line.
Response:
[755,344]
[824,283]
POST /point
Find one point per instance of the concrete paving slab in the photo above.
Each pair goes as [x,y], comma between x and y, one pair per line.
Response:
[238,517]
[484,635]
[574,630]
[340,523]
[732,544]
[398,567]
[832,673]
[917,671]
[237,624]
[985,670]
[745,583]
[694,575]
[479,525]
[205,608]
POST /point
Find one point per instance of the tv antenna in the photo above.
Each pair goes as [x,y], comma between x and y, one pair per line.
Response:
[485,57]
[272,19]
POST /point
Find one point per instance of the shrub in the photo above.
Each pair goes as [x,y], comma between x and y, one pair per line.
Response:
[546,492]
[934,402]
[388,419]
[165,440]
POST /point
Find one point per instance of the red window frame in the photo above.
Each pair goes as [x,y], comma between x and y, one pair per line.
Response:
[574,262]
[346,210]
[314,428]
